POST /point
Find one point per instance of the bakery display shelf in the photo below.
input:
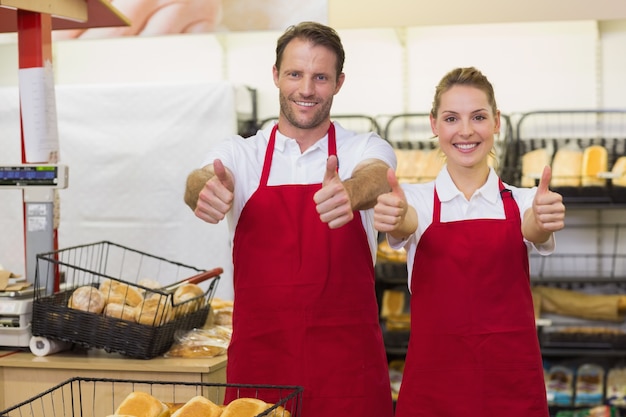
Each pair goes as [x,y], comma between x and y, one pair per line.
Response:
[86,397]
[585,254]
[586,149]
[146,285]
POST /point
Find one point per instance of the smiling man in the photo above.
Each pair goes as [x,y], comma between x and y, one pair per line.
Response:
[298,197]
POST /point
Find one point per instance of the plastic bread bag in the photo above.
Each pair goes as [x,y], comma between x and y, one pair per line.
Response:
[200,343]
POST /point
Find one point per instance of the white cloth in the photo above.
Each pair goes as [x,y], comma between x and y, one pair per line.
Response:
[245,156]
[484,204]
[129,148]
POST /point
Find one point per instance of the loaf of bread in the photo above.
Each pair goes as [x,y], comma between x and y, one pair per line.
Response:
[567,167]
[142,404]
[595,161]
[533,163]
[572,303]
[198,407]
[619,172]
[87,298]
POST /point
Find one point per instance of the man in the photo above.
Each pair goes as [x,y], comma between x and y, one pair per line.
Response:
[298,197]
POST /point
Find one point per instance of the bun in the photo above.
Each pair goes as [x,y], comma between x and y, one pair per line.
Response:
[198,407]
[183,296]
[119,292]
[87,298]
[120,311]
[142,404]
[154,311]
[245,407]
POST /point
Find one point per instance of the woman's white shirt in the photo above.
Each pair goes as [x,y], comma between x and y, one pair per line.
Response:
[484,204]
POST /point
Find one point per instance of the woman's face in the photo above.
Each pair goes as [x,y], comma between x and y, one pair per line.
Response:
[465,125]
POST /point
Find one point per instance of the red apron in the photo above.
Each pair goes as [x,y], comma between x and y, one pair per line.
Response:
[473,349]
[305,309]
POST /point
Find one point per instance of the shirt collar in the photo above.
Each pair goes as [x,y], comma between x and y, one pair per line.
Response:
[281,141]
[446,190]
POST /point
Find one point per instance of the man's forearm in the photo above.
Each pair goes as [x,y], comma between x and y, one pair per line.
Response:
[195,182]
[366,184]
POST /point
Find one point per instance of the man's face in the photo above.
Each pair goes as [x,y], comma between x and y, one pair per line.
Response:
[307,81]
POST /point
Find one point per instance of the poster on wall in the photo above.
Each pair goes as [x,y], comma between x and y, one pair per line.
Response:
[162,17]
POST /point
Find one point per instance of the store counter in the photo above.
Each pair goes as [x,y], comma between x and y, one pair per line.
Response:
[24,375]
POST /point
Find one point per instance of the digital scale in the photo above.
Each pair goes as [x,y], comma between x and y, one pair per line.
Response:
[38,182]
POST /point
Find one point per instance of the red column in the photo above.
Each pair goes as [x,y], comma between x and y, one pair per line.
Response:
[34,37]
[34,31]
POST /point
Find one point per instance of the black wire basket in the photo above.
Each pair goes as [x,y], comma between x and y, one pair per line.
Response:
[96,397]
[153,317]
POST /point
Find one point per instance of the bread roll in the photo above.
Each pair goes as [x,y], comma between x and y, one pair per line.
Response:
[183,296]
[567,167]
[198,407]
[87,298]
[120,311]
[154,311]
[142,404]
[619,172]
[120,292]
[595,161]
[245,407]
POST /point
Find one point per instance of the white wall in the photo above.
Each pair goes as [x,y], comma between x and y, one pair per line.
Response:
[576,64]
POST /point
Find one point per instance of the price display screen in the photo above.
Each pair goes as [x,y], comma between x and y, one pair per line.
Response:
[25,175]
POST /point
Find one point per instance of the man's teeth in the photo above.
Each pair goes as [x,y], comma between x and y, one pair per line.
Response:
[303,103]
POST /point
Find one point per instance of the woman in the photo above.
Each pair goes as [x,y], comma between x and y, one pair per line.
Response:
[473,347]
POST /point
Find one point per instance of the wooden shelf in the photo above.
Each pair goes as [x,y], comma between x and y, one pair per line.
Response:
[76,14]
